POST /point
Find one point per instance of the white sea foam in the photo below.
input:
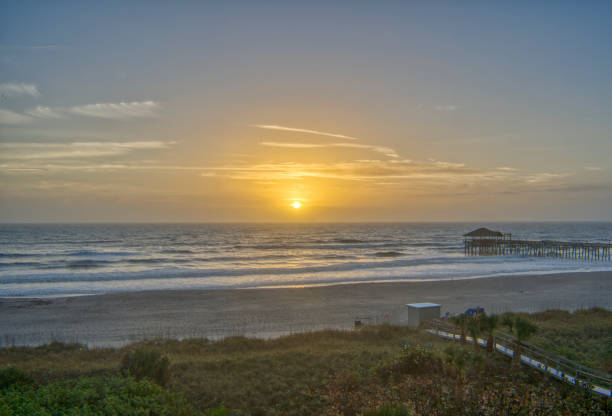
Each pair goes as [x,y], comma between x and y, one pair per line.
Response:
[44,260]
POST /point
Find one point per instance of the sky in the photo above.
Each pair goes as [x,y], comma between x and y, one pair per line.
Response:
[360,111]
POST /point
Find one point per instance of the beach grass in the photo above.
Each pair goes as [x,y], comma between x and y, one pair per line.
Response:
[345,372]
[584,336]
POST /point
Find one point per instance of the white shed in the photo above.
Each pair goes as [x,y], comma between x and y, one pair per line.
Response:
[420,312]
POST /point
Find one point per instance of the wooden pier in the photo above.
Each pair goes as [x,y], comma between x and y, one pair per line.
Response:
[485,242]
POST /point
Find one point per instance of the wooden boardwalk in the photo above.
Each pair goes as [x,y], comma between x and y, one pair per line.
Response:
[554,365]
[527,248]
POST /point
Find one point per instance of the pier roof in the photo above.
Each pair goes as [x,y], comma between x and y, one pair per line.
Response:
[484,233]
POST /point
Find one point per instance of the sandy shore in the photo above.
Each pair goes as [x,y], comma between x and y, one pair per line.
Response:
[119,318]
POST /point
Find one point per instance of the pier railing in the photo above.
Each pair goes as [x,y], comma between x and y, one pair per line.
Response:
[544,248]
[555,365]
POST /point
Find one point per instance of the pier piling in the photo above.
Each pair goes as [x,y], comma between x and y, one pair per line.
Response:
[528,248]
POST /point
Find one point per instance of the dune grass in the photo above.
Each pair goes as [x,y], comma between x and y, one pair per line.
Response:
[349,372]
[584,336]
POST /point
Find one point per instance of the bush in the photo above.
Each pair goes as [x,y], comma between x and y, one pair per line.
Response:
[94,396]
[146,363]
[414,360]
[219,411]
[10,376]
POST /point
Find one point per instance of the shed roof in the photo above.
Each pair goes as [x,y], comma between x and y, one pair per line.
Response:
[484,232]
[422,305]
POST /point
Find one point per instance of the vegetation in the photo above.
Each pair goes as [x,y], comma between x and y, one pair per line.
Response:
[11,377]
[489,324]
[584,336]
[142,363]
[460,359]
[474,329]
[389,411]
[413,360]
[93,396]
[378,371]
[522,329]
[461,321]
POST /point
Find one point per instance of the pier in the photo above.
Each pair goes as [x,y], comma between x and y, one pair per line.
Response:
[485,242]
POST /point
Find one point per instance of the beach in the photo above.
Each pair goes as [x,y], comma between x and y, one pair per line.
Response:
[115,319]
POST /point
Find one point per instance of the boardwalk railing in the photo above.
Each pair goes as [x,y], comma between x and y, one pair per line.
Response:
[558,249]
[538,358]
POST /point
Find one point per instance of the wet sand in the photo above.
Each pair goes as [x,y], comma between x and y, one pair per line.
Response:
[119,318]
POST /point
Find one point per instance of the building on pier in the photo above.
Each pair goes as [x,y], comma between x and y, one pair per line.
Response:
[485,233]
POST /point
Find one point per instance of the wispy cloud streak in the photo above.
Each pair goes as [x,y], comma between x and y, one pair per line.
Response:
[120,110]
[30,47]
[10,117]
[19,89]
[82,150]
[45,112]
[114,111]
[379,149]
[307,131]
[432,178]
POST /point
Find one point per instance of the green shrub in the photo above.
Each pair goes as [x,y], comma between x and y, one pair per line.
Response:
[414,360]
[10,376]
[219,411]
[94,396]
[146,363]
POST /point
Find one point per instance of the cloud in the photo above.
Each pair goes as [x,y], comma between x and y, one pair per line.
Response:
[428,177]
[581,187]
[593,168]
[294,145]
[10,117]
[45,112]
[30,47]
[120,110]
[19,89]
[307,131]
[426,174]
[545,177]
[81,150]
[446,107]
[115,111]
[379,149]
[433,178]
[449,165]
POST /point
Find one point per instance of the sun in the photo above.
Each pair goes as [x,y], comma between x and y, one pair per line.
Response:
[296,205]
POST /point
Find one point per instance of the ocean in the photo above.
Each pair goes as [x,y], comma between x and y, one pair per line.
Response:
[47,260]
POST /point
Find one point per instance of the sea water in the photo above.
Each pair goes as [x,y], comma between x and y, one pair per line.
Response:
[81,259]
